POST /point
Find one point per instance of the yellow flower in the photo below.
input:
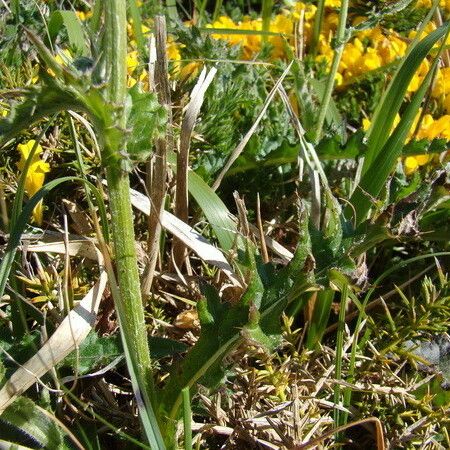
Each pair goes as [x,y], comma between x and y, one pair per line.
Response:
[35,175]
[284,25]
[132,62]
[427,4]
[410,165]
[83,15]
[63,58]
[227,24]
[333,3]
[371,60]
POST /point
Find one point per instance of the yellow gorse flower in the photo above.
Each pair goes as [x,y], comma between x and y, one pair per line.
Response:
[35,176]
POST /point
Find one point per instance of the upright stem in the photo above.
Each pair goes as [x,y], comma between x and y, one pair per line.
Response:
[129,306]
[317,28]
[340,35]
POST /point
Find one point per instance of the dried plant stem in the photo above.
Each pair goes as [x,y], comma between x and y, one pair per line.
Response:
[157,171]
[187,126]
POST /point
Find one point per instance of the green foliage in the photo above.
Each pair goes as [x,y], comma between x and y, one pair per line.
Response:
[68,21]
[18,349]
[361,97]
[146,120]
[395,94]
[24,423]
[99,351]
[255,319]
[382,149]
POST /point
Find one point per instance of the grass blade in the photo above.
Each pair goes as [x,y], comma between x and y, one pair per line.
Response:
[266,14]
[375,176]
[187,419]
[389,107]
[214,209]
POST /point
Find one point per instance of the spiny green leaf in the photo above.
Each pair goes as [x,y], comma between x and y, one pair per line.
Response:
[38,102]
[145,122]
[98,351]
[256,316]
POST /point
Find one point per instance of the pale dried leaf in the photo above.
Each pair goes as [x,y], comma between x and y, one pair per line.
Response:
[67,337]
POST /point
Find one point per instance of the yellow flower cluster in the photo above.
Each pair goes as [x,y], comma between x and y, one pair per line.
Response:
[441,88]
[368,50]
[35,176]
[445,4]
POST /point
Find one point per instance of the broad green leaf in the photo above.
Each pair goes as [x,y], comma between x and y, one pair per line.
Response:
[23,420]
[94,352]
[19,349]
[215,211]
[72,24]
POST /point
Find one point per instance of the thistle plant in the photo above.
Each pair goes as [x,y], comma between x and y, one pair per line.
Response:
[125,123]
[330,242]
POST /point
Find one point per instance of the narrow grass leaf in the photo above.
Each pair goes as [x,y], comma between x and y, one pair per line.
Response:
[215,211]
[68,20]
[319,321]
[137,28]
[187,419]
[394,96]
[375,176]
[266,14]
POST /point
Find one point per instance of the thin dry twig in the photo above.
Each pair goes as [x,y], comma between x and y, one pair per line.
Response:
[264,253]
[157,169]
[378,431]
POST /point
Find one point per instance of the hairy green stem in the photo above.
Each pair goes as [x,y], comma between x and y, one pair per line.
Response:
[129,306]
[340,40]
[317,28]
